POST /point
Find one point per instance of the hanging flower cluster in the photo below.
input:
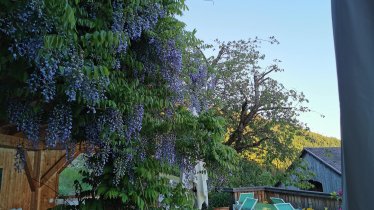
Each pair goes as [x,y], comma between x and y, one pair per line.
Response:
[143,19]
[25,119]
[169,65]
[134,123]
[198,87]
[20,159]
[165,148]
[59,126]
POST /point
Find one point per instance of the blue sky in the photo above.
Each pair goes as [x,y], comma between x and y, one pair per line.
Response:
[306,48]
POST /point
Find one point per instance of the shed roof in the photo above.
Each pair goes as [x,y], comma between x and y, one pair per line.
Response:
[330,156]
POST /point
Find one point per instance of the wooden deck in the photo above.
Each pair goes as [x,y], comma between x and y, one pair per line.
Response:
[298,198]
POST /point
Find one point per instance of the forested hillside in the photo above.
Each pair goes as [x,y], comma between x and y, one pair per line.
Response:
[264,156]
[311,139]
[315,140]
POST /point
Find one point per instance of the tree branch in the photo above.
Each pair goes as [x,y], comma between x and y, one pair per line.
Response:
[236,136]
[245,117]
[202,53]
[240,148]
[275,108]
[219,56]
[266,73]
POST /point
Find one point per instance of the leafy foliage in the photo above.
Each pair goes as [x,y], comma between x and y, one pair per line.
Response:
[219,199]
[71,174]
[251,170]
[111,74]
[261,112]
[246,174]
[298,175]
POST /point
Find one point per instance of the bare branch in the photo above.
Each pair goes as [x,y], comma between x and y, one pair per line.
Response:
[219,56]
[266,73]
[275,108]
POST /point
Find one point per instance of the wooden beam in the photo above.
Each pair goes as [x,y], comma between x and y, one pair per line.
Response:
[35,196]
[8,129]
[2,123]
[75,155]
[4,126]
[18,134]
[29,172]
[12,142]
[8,141]
[60,165]
[52,170]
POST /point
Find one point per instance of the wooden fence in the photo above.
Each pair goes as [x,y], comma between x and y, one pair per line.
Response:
[298,198]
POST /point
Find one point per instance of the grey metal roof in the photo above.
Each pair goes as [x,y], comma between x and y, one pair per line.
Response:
[331,156]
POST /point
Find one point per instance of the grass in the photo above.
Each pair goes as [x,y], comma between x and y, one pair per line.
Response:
[69,175]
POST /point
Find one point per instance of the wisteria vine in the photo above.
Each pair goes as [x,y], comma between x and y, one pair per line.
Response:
[102,73]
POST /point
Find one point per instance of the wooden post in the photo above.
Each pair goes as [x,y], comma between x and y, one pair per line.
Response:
[35,196]
[233,199]
[29,172]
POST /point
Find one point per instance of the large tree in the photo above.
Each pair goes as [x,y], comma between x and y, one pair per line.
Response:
[262,113]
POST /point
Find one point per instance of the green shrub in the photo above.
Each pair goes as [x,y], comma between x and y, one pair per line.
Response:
[219,199]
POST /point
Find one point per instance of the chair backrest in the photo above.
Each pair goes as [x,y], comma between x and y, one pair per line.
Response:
[248,204]
[243,196]
[276,200]
[284,206]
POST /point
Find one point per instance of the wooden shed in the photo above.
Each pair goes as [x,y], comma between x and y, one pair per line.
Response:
[326,164]
[36,187]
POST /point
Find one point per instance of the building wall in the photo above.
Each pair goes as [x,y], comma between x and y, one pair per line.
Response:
[15,190]
[49,190]
[331,181]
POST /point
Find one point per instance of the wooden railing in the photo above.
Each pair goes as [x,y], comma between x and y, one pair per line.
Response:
[298,198]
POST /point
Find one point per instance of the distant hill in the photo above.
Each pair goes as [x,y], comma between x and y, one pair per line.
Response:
[315,140]
[310,139]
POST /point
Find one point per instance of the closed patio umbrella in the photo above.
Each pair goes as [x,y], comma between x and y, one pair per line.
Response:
[353,23]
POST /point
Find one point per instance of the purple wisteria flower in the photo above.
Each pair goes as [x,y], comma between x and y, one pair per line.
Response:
[60,124]
[165,148]
[134,123]
[20,159]
[26,120]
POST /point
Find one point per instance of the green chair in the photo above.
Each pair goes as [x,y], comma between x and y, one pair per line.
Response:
[248,204]
[276,200]
[242,198]
[284,206]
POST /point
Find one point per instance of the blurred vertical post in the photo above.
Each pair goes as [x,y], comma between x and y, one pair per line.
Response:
[200,180]
[353,24]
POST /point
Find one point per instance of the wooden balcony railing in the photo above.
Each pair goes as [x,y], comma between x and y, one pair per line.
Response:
[298,198]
